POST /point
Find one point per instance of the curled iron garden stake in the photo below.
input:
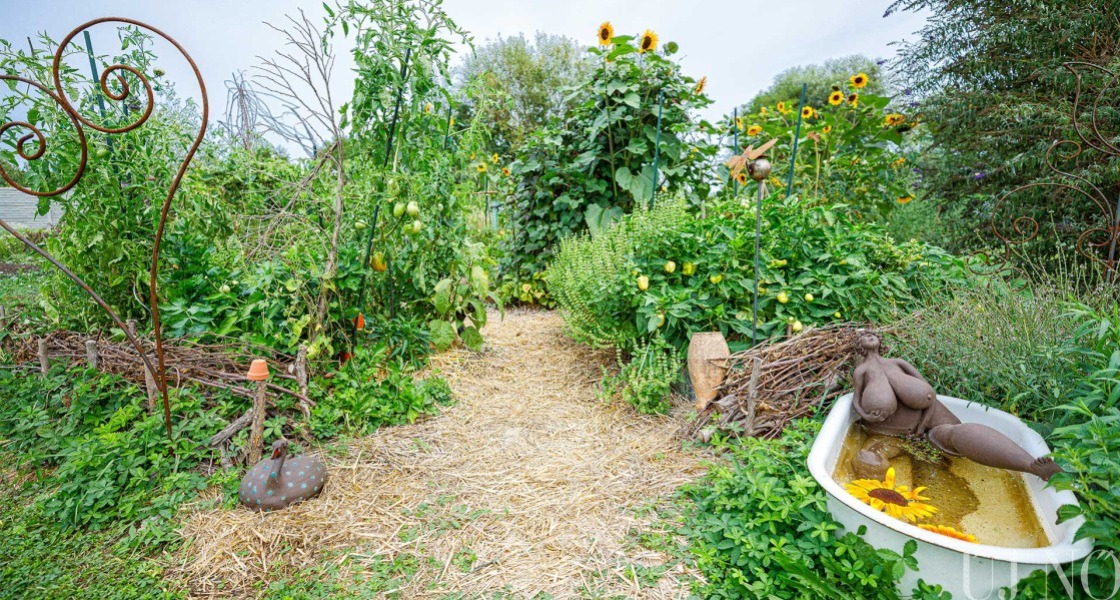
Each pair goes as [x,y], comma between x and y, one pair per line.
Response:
[1092,242]
[58,95]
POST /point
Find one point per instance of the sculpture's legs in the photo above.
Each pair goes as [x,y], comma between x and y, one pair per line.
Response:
[873,459]
[987,446]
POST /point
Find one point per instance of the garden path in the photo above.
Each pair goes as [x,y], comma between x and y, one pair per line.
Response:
[529,487]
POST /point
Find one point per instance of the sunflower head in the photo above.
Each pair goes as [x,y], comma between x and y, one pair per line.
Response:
[700,86]
[762,111]
[505,171]
[827,129]
[495,158]
[951,532]
[741,178]
[754,130]
[480,167]
[648,42]
[782,107]
[858,81]
[835,98]
[738,122]
[807,112]
[428,108]
[893,120]
[899,502]
[853,99]
[606,33]
[904,199]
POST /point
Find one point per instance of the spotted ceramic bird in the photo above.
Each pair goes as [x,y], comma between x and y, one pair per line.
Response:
[278,482]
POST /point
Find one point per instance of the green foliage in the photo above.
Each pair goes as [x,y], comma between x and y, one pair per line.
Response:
[819,79]
[39,560]
[111,459]
[460,308]
[820,260]
[1015,338]
[530,79]
[598,163]
[647,378]
[760,528]
[369,392]
[989,77]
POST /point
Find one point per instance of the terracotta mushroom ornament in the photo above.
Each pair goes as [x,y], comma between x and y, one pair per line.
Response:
[278,482]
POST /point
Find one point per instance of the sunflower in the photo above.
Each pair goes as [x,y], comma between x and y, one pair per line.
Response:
[807,112]
[754,130]
[699,89]
[428,108]
[494,159]
[762,111]
[835,98]
[899,162]
[505,171]
[893,119]
[827,129]
[853,99]
[606,33]
[904,199]
[739,122]
[648,42]
[950,532]
[472,155]
[480,167]
[899,502]
[741,178]
[858,81]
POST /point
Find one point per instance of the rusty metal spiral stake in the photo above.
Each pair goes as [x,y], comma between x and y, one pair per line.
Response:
[1025,228]
[59,96]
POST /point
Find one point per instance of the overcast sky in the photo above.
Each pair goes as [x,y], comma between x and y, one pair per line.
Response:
[739,45]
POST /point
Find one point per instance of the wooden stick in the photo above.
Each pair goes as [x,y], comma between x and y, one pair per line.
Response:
[236,425]
[91,353]
[302,379]
[256,433]
[752,397]
[44,363]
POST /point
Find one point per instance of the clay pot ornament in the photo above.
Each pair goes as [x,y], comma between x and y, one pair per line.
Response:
[708,356]
[278,482]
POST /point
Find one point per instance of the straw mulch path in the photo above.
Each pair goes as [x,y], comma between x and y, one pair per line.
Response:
[528,486]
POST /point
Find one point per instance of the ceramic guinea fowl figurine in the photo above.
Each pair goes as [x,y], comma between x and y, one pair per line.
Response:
[278,482]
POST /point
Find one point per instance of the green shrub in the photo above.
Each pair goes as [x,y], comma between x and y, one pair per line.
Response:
[825,264]
[646,380]
[760,528]
[597,163]
[368,392]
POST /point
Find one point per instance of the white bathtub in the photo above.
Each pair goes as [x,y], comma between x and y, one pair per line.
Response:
[965,570]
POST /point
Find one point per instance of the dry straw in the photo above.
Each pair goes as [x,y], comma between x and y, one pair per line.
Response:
[530,472]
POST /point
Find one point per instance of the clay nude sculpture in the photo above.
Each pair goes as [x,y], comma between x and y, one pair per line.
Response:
[278,482]
[892,399]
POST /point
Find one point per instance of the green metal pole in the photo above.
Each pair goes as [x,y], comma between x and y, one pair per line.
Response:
[735,147]
[757,249]
[796,138]
[657,149]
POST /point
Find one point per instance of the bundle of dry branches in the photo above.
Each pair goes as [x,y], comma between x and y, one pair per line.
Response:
[772,384]
[215,365]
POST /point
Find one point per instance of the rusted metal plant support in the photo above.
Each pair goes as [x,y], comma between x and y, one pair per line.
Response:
[58,94]
[1092,241]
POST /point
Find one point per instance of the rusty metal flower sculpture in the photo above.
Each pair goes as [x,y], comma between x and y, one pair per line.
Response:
[58,95]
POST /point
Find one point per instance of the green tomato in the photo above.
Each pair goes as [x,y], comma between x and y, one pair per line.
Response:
[360,225]
[398,209]
[412,209]
[417,226]
[670,266]
[224,289]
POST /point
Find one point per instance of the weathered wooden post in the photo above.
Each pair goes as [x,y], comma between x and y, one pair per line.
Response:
[91,353]
[44,363]
[302,378]
[149,380]
[258,372]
